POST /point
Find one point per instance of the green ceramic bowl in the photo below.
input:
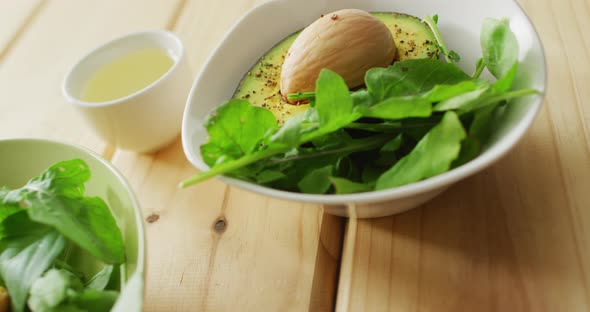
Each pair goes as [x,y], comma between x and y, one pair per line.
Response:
[22,159]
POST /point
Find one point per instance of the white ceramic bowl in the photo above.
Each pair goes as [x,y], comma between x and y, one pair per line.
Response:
[146,120]
[460,23]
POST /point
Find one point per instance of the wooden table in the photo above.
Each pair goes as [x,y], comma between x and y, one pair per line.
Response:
[515,237]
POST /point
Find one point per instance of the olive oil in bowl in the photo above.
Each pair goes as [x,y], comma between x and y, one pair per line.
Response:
[126,75]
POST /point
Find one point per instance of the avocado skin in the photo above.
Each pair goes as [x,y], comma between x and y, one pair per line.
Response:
[260,86]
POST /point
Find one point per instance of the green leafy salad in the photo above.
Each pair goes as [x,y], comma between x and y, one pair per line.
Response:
[413,120]
[44,226]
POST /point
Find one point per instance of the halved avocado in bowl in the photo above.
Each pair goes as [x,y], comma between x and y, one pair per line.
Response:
[260,86]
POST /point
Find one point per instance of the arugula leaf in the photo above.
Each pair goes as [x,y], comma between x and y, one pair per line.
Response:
[345,186]
[504,84]
[399,107]
[480,65]
[411,77]
[444,92]
[56,198]
[53,288]
[450,56]
[470,149]
[101,279]
[482,125]
[499,46]
[295,127]
[432,156]
[461,101]
[236,128]
[23,260]
[333,100]
[317,181]
[268,176]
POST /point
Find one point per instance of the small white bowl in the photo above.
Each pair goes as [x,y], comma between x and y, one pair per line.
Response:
[251,37]
[146,120]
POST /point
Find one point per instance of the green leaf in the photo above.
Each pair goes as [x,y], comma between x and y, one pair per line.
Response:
[268,176]
[295,127]
[345,186]
[504,84]
[411,77]
[23,261]
[56,198]
[92,300]
[55,287]
[445,92]
[393,145]
[395,108]
[463,101]
[454,56]
[101,279]
[362,98]
[19,224]
[482,126]
[316,181]
[480,65]
[235,129]
[470,149]
[333,101]
[432,156]
[131,297]
[499,46]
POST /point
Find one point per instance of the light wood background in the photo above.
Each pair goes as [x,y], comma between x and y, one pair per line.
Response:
[512,238]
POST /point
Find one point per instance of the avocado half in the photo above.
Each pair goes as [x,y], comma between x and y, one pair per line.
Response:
[260,86]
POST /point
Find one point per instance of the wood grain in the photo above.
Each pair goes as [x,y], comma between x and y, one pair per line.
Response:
[216,248]
[16,17]
[512,238]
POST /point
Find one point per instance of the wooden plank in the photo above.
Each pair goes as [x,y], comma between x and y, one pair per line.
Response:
[16,17]
[216,248]
[512,238]
[31,103]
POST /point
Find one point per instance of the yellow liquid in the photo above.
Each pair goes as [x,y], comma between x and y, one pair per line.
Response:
[126,75]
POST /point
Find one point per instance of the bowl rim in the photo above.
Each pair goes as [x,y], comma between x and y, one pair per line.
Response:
[483,161]
[150,34]
[141,252]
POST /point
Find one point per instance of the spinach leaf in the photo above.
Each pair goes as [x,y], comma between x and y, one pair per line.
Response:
[236,128]
[56,198]
[53,288]
[432,156]
[499,46]
[345,186]
[101,279]
[23,260]
[19,225]
[92,300]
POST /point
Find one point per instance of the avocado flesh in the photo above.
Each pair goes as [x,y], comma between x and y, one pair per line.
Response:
[261,85]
